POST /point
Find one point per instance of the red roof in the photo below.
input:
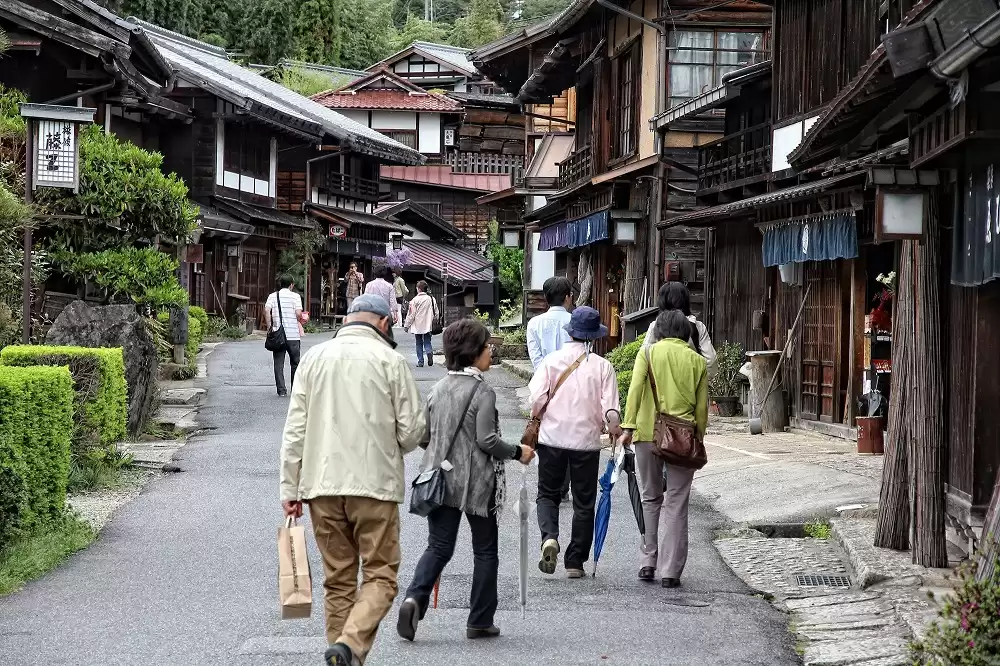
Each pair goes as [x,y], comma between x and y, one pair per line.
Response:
[443,176]
[387,99]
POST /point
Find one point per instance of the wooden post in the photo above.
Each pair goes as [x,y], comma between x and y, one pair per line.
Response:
[771,412]
[892,527]
[28,198]
[927,418]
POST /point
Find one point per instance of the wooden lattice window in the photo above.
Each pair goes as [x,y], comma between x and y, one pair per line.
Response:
[626,126]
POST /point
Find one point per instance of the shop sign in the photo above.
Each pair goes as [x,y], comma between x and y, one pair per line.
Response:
[338,231]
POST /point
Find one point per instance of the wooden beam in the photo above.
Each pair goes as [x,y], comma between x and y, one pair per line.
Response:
[56,28]
[921,92]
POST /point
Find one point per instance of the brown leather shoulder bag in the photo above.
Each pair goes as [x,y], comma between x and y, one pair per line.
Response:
[675,440]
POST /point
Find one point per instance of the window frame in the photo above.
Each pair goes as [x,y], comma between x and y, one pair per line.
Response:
[401,132]
[758,55]
[626,70]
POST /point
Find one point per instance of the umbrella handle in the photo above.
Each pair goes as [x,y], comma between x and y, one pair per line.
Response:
[437,588]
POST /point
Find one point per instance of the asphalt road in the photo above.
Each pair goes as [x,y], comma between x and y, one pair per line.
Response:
[186,574]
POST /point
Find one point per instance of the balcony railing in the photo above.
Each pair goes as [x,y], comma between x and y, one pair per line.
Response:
[735,157]
[340,184]
[466,162]
[576,168]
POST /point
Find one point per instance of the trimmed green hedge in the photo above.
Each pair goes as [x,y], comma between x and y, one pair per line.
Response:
[195,312]
[36,426]
[98,378]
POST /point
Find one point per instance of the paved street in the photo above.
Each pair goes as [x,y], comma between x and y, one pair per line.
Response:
[186,574]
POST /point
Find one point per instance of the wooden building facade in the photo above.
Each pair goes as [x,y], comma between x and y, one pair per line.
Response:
[931,86]
[242,144]
[617,67]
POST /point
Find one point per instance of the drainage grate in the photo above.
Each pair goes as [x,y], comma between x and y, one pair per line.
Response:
[822,580]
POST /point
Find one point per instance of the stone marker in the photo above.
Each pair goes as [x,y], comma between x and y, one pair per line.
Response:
[82,325]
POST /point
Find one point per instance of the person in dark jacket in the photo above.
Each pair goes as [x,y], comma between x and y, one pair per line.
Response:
[466,444]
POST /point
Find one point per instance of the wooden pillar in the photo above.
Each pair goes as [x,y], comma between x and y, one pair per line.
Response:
[771,411]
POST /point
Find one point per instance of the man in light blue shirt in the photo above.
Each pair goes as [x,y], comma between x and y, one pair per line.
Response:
[545,331]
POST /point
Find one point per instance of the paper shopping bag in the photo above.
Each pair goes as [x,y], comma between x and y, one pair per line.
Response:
[294,581]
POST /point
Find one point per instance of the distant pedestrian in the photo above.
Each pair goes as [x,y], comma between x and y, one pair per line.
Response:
[289,317]
[580,389]
[464,431]
[681,380]
[354,413]
[675,296]
[355,280]
[546,332]
[402,292]
[420,322]
[382,286]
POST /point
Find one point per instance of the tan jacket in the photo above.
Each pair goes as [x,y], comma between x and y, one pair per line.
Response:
[420,318]
[355,412]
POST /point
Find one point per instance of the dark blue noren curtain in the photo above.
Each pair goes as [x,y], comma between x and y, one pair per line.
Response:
[588,229]
[552,237]
[975,252]
[824,238]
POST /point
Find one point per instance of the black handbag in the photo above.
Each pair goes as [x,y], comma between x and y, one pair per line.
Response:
[428,489]
[276,340]
[437,326]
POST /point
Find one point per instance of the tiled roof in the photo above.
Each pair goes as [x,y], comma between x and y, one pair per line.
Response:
[210,67]
[461,263]
[443,176]
[354,217]
[260,215]
[708,215]
[386,99]
[405,211]
[455,56]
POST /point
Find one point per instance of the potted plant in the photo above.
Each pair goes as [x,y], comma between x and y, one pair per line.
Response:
[724,385]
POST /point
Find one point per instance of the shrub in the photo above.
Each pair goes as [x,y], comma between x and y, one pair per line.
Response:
[968,629]
[196,312]
[36,425]
[623,358]
[234,332]
[99,382]
[726,379]
[146,276]
[194,339]
[212,328]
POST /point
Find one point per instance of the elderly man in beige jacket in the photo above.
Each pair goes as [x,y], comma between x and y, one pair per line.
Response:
[355,412]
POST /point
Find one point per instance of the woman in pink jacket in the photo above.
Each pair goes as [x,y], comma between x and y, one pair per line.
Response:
[420,322]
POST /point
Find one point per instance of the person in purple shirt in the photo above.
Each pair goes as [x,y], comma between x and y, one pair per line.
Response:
[382,286]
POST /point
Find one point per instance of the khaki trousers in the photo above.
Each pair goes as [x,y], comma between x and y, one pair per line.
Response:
[348,529]
[669,554]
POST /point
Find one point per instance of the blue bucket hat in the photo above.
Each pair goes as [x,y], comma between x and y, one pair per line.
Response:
[585,324]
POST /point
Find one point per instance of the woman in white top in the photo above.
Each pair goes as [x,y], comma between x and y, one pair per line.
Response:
[675,296]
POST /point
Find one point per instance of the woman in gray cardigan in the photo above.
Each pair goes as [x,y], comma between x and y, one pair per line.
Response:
[465,443]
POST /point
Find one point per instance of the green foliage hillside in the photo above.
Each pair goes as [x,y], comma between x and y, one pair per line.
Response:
[344,33]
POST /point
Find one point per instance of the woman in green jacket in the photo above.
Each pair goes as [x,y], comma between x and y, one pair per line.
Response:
[682,387]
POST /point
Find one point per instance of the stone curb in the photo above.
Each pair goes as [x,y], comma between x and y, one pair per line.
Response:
[516,369]
[866,571]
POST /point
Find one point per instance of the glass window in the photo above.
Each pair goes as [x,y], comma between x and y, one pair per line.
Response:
[406,137]
[700,58]
[626,75]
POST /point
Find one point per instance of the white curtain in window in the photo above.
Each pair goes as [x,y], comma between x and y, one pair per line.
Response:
[691,63]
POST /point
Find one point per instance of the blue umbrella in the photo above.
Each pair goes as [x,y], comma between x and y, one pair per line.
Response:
[603,514]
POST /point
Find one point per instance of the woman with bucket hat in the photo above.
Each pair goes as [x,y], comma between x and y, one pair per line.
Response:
[576,393]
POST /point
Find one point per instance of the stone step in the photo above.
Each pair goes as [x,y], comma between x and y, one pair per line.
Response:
[179,418]
[182,396]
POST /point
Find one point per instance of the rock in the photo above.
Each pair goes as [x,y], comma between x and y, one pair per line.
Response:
[82,325]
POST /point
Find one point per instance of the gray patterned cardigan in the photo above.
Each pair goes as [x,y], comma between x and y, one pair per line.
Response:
[471,484]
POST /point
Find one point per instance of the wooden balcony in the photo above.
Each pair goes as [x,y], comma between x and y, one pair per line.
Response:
[733,160]
[576,168]
[340,184]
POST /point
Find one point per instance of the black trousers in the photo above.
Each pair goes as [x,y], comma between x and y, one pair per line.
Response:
[583,467]
[294,349]
[443,532]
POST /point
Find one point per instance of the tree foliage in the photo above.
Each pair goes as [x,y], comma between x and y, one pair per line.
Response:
[510,260]
[145,276]
[482,24]
[124,196]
